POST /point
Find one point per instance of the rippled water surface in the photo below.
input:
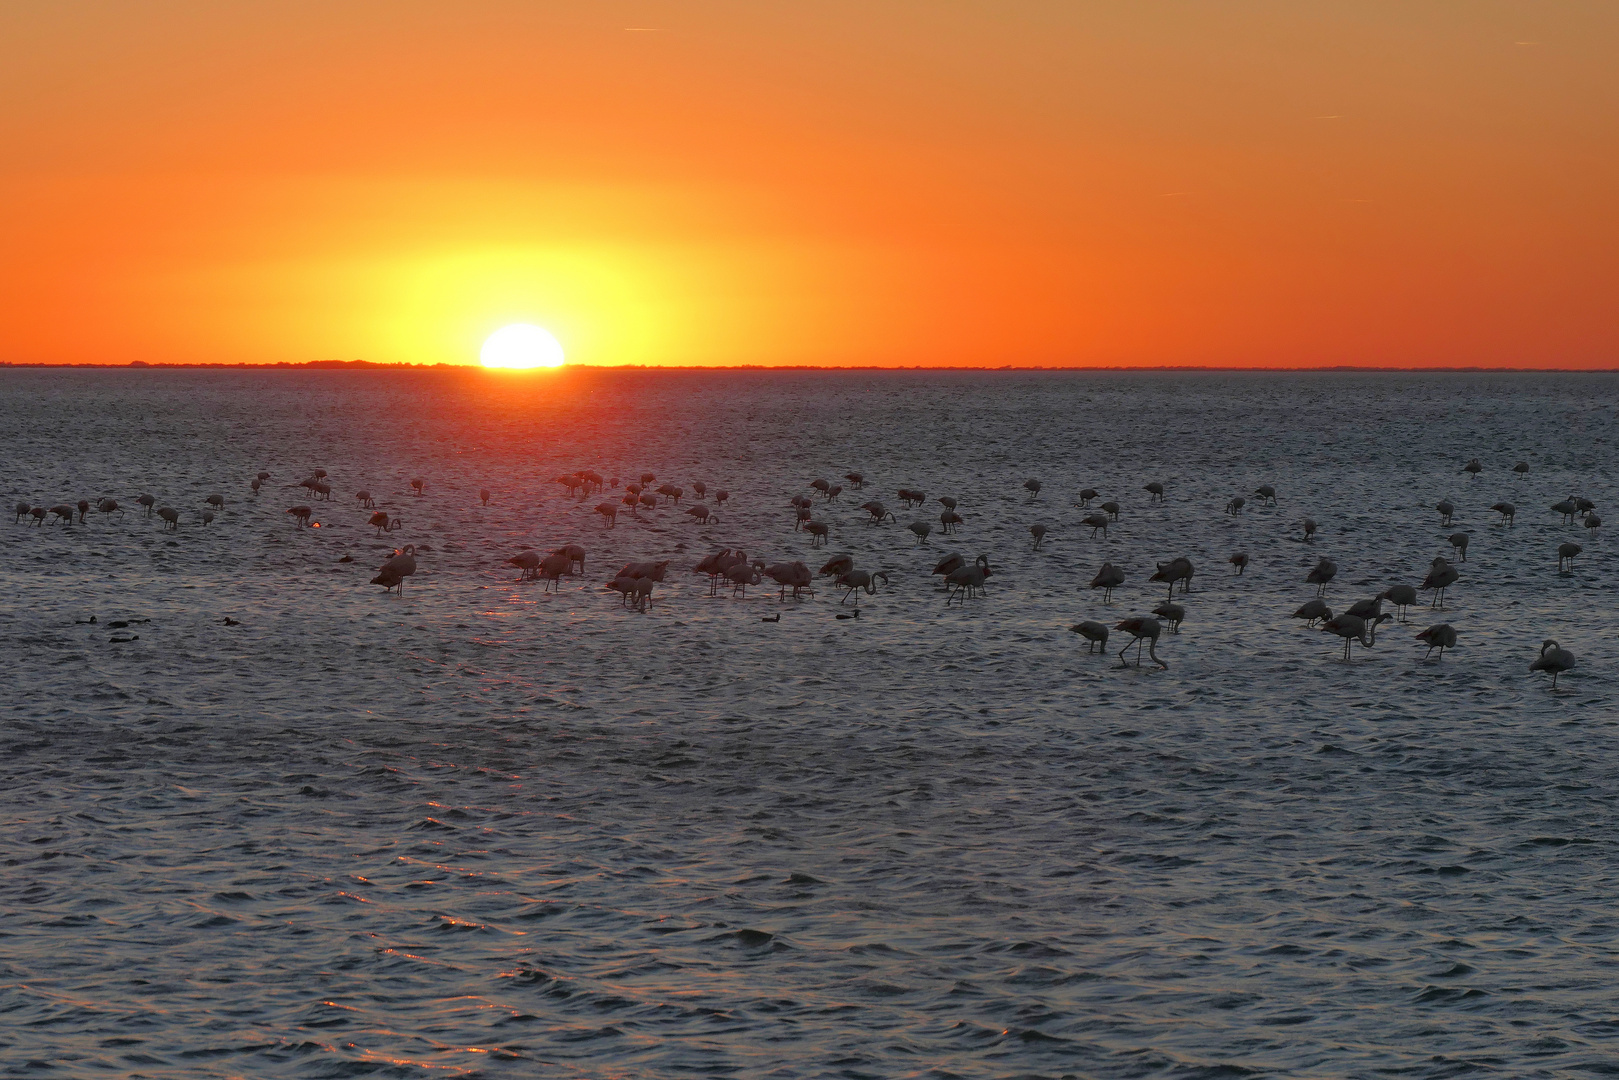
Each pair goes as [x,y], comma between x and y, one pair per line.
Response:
[485,830]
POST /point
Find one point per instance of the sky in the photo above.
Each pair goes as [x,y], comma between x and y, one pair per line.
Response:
[1051,183]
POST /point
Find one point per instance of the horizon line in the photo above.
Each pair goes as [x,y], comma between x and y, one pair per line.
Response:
[373,365]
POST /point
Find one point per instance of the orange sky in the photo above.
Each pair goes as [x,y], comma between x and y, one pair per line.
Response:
[763,182]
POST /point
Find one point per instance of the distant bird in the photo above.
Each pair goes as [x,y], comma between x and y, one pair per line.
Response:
[1565,554]
[1240,561]
[842,564]
[301,514]
[702,513]
[1592,523]
[1174,614]
[1474,466]
[1313,611]
[671,492]
[483,496]
[721,495]
[1096,522]
[1366,609]
[264,476]
[1094,633]
[1568,508]
[701,490]
[947,502]
[950,521]
[1111,509]
[1584,506]
[207,517]
[22,512]
[528,562]
[912,497]
[819,532]
[856,480]
[38,514]
[1353,628]
[1553,658]
[366,501]
[147,501]
[1446,508]
[419,484]
[217,501]
[1507,512]
[1033,488]
[168,514]
[967,580]
[255,485]
[1322,576]
[921,529]
[1458,541]
[1234,507]
[1141,629]
[1177,569]
[1310,527]
[1107,579]
[393,572]
[64,513]
[383,523]
[946,566]
[1522,469]
[109,506]
[1440,577]
[551,568]
[1440,636]
[821,484]
[609,513]
[648,479]
[1266,493]
[1086,495]
[1401,596]
[1039,534]
[1157,491]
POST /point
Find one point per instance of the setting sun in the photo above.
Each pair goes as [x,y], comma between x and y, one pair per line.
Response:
[521,346]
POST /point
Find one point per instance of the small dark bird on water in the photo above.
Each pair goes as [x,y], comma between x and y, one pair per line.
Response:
[855,614]
[231,622]
[772,618]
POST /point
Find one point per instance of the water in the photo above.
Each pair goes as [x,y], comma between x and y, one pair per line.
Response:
[483,830]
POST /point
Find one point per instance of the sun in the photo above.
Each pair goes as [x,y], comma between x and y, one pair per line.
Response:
[521,345]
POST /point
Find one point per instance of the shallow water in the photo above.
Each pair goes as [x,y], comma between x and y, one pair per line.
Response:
[481,829]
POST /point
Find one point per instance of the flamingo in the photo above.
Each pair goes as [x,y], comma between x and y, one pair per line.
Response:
[1446,508]
[877,511]
[207,517]
[1522,469]
[264,476]
[921,529]
[1240,561]
[1458,541]
[968,579]
[1178,569]
[419,484]
[38,514]
[1401,596]
[551,568]
[1310,527]
[1157,491]
[22,512]
[1111,509]
[1440,577]
[1086,495]
[256,485]
[167,513]
[1592,523]
[84,510]
[1234,507]
[721,495]
[648,479]
[1174,614]
[702,514]
[946,566]
[1366,609]
[393,572]
[741,575]
[856,480]
[1473,467]
[64,513]
[1353,628]
[1324,572]
[609,514]
[1266,493]
[1107,579]
[1553,658]
[911,497]
[147,501]
[366,502]
[483,496]
[383,523]
[1565,554]
[1033,488]
[947,502]
[1568,508]
[528,562]
[1440,636]
[1312,611]
[1096,522]
[670,492]
[1141,629]
[1094,633]
[654,570]
[576,557]
[1507,512]
[841,564]
[855,580]
[109,506]
[950,521]
[794,575]
[1039,534]
[699,488]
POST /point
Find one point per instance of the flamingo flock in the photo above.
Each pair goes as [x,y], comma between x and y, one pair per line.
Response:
[962,579]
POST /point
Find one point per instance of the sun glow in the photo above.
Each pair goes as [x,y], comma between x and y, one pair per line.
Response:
[521,345]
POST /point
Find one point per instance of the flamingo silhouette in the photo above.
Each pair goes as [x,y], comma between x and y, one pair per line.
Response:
[1553,658]
[1141,629]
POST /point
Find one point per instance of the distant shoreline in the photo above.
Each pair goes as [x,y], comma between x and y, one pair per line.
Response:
[368,365]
